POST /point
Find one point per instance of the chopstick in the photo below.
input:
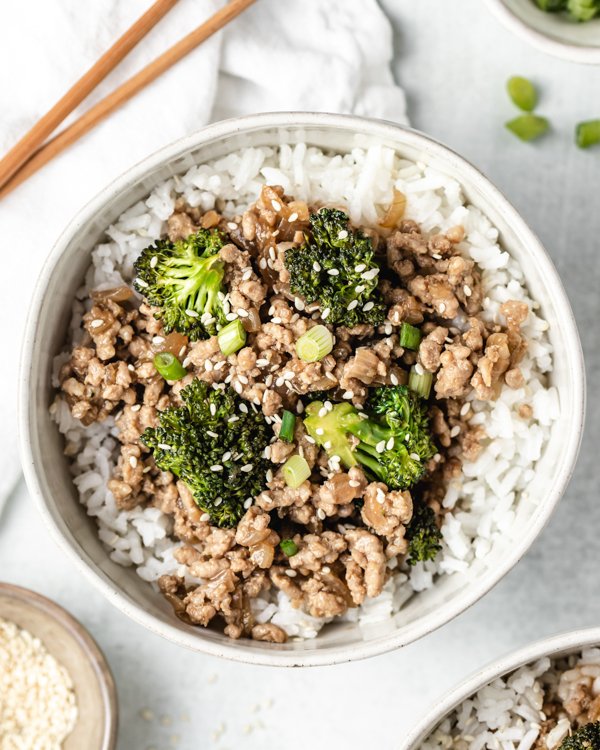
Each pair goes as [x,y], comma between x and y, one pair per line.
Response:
[125,92]
[24,148]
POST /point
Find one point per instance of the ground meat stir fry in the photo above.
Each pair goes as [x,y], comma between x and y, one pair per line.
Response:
[348,528]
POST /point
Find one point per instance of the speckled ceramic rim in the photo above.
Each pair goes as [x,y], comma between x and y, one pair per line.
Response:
[88,645]
[583,54]
[554,646]
[262,654]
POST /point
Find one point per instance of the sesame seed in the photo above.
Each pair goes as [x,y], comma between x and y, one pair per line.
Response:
[442,307]
[325,313]
[131,368]
[342,235]
[242,313]
[262,263]
[276,320]
[299,407]
[359,289]
[348,395]
[299,304]
[390,444]
[316,267]
[247,274]
[419,369]
[330,376]
[96,323]
[272,254]
[212,434]
[333,272]
[328,405]
[320,431]
[247,503]
[436,256]
[370,274]
[158,339]
[192,313]
[467,290]
[216,467]
[321,514]
[465,409]
[226,456]
[291,573]
[293,217]
[322,411]
[455,431]
[415,456]
[394,378]
[276,205]
[243,379]
[213,409]
[353,304]
[142,283]
[165,447]
[262,362]
[133,462]
[136,407]
[327,445]
[269,475]
[247,467]
[360,268]
[205,517]
[153,261]
[231,316]
[220,365]
[354,483]
[309,439]
[208,365]
[243,408]
[231,225]
[380,447]
[368,306]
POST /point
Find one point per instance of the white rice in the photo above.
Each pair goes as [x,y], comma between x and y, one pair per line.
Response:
[507,713]
[484,500]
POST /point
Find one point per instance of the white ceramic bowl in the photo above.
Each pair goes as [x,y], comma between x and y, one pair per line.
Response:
[555,647]
[47,471]
[553,33]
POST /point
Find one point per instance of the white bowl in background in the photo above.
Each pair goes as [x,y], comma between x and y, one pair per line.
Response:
[47,470]
[554,647]
[553,33]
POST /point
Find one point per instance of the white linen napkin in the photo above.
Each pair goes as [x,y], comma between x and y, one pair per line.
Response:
[280,54]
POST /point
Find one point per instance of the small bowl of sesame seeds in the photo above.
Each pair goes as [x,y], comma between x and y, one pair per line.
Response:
[57,689]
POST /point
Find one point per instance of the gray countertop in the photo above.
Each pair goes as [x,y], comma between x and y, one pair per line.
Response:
[453,59]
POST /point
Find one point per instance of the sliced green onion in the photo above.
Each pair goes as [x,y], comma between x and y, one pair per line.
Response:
[232,337]
[410,337]
[295,471]
[528,127]
[288,547]
[522,92]
[169,366]
[288,423]
[587,133]
[315,344]
[420,383]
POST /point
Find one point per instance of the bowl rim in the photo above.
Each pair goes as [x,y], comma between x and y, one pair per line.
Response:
[553,645]
[584,54]
[93,653]
[383,130]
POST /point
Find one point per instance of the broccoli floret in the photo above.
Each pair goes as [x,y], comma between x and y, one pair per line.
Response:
[184,280]
[213,442]
[583,10]
[336,267]
[391,447]
[423,535]
[586,737]
[551,6]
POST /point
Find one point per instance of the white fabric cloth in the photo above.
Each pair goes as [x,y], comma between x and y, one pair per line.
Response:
[324,55]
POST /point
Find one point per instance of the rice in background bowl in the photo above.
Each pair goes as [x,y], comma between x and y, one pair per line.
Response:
[514,526]
[533,698]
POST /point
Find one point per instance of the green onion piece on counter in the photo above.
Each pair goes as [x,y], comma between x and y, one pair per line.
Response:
[528,127]
[522,92]
[315,344]
[587,133]
[288,547]
[288,423]
[295,471]
[410,337]
[420,383]
[169,366]
[232,337]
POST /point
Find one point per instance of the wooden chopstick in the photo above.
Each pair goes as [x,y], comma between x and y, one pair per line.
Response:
[125,92]
[32,140]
